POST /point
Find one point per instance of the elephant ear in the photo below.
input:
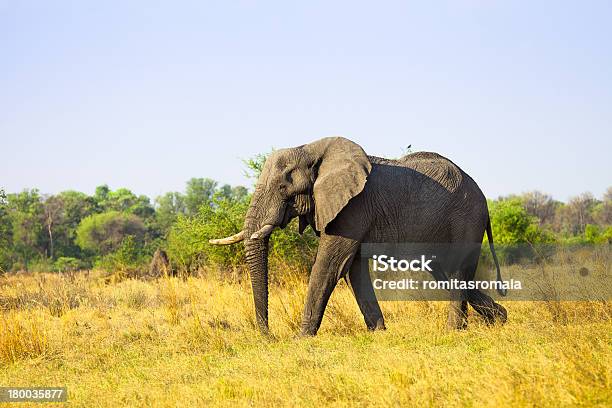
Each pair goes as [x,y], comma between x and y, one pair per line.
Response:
[343,168]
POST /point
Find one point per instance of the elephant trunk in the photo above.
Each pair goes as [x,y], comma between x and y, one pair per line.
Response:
[256,249]
[264,214]
[257,260]
[256,240]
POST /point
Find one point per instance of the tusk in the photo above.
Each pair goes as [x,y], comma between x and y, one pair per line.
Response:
[263,232]
[229,240]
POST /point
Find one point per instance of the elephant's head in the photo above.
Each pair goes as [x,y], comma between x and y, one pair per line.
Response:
[313,182]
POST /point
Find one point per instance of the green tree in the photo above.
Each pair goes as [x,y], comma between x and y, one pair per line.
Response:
[76,206]
[511,224]
[255,165]
[123,200]
[103,233]
[101,195]
[199,191]
[228,192]
[168,207]
[26,212]
[6,234]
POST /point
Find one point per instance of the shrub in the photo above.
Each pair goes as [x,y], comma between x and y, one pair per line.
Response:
[594,234]
[41,265]
[127,258]
[68,264]
[289,248]
[511,224]
[514,230]
[188,245]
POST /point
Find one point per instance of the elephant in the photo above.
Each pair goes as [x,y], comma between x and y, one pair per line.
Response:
[350,198]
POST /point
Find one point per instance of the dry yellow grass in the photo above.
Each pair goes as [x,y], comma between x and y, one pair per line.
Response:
[174,342]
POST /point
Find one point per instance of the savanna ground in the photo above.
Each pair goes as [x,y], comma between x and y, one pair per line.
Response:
[193,342]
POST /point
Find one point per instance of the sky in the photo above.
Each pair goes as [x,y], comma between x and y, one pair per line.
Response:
[146,95]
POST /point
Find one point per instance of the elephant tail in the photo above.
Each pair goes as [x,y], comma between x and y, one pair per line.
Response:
[501,291]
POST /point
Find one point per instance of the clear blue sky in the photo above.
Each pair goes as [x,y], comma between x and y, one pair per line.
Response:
[146,95]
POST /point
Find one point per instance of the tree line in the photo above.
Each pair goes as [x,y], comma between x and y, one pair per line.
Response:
[117,229]
[73,230]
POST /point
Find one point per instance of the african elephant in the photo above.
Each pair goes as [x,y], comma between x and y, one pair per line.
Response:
[349,198]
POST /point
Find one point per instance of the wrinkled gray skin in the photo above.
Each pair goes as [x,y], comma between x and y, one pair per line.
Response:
[348,198]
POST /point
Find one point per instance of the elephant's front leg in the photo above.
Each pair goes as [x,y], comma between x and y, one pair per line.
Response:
[334,256]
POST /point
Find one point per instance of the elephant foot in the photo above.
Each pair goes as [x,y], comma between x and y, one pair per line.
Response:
[378,324]
[494,313]
[490,310]
[455,323]
[308,330]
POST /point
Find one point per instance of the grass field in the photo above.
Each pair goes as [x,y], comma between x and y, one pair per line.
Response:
[175,342]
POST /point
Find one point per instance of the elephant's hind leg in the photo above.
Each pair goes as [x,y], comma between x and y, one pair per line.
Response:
[482,303]
[361,285]
[490,310]
[457,315]
[457,310]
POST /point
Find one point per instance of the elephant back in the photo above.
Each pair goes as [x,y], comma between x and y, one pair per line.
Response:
[436,167]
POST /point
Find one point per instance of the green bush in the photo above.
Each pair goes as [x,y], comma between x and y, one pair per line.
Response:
[593,234]
[127,258]
[515,232]
[188,245]
[289,248]
[40,265]
[68,264]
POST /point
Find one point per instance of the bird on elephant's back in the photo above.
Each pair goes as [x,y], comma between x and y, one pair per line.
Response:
[349,198]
